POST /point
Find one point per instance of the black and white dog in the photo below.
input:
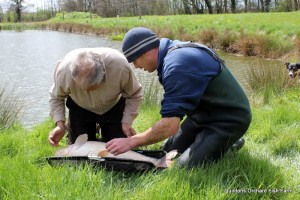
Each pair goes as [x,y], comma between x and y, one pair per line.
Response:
[293,68]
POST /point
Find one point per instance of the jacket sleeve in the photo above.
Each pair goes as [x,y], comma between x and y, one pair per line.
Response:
[132,92]
[57,95]
[186,75]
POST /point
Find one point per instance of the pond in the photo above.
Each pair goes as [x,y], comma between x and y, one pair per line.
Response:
[28,59]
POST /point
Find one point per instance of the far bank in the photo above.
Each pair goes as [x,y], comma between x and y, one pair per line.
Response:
[264,35]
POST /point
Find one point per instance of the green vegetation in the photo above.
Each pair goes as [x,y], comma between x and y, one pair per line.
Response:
[268,35]
[267,81]
[250,23]
[250,34]
[11,105]
[266,168]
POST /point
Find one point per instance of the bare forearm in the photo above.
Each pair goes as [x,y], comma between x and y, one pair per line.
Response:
[163,129]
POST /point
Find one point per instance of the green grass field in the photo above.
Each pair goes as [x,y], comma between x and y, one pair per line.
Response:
[279,24]
[267,35]
[266,168]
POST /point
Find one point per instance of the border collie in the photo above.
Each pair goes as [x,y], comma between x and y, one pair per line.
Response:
[293,68]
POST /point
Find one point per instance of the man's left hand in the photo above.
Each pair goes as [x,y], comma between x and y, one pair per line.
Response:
[128,130]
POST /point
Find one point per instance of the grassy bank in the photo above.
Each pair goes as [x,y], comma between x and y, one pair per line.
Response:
[268,35]
[266,168]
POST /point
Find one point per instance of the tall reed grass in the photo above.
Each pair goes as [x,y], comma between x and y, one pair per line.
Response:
[152,89]
[11,104]
[267,81]
[152,92]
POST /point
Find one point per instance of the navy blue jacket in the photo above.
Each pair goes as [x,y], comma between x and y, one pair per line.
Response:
[195,83]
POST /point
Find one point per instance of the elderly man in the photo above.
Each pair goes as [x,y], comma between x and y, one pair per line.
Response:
[99,88]
[199,87]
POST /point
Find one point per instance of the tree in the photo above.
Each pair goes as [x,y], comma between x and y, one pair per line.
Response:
[209,6]
[297,4]
[267,5]
[186,7]
[1,14]
[233,6]
[113,8]
[197,6]
[246,5]
[225,6]
[18,9]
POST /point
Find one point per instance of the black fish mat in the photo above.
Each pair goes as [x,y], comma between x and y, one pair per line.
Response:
[114,164]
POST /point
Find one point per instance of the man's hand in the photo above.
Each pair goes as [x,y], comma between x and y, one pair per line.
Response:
[57,134]
[118,145]
[163,129]
[128,130]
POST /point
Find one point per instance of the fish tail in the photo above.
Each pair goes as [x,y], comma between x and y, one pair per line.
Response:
[167,160]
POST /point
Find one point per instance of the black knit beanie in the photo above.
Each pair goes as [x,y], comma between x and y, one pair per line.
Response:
[138,41]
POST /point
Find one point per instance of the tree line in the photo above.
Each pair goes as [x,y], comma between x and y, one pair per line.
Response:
[21,10]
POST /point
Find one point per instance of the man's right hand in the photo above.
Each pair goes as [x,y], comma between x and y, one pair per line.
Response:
[57,134]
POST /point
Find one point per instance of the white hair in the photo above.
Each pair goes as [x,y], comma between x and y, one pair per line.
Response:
[87,69]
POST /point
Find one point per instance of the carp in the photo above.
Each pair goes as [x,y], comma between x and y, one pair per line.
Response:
[83,147]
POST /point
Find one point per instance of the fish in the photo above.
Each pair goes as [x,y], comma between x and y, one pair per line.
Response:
[83,147]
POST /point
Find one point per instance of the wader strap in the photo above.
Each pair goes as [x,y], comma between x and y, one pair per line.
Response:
[195,45]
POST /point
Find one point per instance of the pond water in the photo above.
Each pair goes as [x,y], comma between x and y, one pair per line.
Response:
[28,59]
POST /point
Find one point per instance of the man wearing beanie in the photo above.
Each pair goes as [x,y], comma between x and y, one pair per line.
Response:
[198,86]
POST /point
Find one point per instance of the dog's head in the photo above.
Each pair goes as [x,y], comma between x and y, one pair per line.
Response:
[292,69]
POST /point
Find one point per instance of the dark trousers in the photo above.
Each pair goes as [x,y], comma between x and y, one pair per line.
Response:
[199,144]
[82,121]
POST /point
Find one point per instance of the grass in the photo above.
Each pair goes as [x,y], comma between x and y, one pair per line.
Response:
[251,30]
[10,111]
[267,81]
[266,168]
[249,34]
[247,22]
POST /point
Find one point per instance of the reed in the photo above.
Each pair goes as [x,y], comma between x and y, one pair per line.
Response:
[10,106]
[267,81]
[152,92]
[227,41]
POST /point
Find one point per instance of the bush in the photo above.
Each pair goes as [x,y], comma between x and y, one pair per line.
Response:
[227,41]
[209,37]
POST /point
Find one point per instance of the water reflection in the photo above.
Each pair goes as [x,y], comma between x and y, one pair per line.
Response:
[28,59]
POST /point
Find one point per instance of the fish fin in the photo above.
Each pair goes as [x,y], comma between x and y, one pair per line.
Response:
[167,160]
[92,155]
[81,139]
[103,153]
